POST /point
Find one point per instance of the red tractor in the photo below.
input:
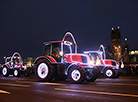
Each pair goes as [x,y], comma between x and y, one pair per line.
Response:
[108,67]
[59,61]
[13,65]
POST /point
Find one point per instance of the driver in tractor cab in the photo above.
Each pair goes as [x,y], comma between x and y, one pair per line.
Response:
[56,54]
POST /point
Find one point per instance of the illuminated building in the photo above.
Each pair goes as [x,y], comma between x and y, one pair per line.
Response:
[29,61]
[133,56]
[116,44]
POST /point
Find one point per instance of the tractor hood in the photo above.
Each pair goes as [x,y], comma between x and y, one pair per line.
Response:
[77,58]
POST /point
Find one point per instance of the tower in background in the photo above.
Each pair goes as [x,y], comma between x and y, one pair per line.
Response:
[125,52]
[116,44]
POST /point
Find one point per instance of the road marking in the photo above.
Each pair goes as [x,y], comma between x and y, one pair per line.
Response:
[19,85]
[6,92]
[48,83]
[45,83]
[52,83]
[27,82]
[97,92]
[116,84]
[115,80]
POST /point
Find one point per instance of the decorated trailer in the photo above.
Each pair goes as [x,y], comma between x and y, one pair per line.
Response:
[14,65]
[60,61]
[108,67]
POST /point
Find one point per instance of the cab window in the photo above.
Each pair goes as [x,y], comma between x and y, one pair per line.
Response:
[56,51]
[47,50]
[66,49]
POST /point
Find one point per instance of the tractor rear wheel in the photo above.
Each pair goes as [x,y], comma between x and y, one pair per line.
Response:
[77,75]
[5,71]
[44,70]
[92,75]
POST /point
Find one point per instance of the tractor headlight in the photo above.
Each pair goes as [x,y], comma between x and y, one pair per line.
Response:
[11,63]
[61,53]
[98,62]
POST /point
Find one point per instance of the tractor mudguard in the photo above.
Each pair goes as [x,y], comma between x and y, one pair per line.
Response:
[68,68]
[49,58]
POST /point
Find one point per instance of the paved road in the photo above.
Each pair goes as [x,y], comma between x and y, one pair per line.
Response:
[123,89]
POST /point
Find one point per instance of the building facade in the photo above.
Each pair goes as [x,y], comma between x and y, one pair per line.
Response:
[116,44]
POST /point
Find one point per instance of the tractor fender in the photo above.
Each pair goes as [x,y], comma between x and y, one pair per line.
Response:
[6,66]
[49,58]
[102,71]
[68,68]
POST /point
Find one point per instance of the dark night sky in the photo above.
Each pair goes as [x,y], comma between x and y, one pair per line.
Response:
[26,24]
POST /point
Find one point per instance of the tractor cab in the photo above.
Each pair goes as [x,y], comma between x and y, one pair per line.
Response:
[61,52]
[57,49]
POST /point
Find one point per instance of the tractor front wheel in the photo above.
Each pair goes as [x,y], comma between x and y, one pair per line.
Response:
[77,75]
[16,72]
[109,73]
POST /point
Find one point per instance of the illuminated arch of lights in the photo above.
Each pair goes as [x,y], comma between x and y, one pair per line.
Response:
[74,41]
[16,53]
[102,50]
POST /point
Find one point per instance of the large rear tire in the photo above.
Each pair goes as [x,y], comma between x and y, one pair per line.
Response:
[77,75]
[5,71]
[44,70]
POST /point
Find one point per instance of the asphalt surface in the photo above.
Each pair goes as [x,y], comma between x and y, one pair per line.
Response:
[28,89]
